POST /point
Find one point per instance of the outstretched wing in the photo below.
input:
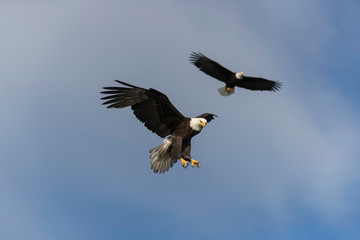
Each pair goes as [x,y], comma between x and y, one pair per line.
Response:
[210,67]
[262,84]
[150,106]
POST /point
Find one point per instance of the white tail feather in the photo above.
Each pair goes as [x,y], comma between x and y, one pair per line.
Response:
[161,157]
[223,91]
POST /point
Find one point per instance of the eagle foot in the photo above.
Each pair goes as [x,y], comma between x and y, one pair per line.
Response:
[184,163]
[229,89]
[194,162]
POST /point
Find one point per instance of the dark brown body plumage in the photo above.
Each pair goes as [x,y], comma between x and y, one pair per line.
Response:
[182,137]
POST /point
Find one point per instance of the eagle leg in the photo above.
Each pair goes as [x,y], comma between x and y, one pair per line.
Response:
[194,162]
[184,162]
[229,89]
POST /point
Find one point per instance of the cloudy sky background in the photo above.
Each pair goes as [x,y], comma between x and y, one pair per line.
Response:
[273,165]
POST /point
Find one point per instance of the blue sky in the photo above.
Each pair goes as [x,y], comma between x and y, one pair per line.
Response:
[273,165]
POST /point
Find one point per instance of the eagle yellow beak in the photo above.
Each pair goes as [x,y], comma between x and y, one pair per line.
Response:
[203,124]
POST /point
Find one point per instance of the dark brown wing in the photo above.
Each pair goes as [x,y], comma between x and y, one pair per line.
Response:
[262,84]
[150,106]
[210,67]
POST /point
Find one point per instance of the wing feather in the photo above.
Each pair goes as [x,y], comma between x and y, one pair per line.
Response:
[262,84]
[210,67]
[150,106]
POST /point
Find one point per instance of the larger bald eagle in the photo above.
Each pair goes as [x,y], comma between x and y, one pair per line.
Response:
[159,115]
[230,78]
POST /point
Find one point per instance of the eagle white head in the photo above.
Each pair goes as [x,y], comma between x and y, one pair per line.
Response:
[239,75]
[198,123]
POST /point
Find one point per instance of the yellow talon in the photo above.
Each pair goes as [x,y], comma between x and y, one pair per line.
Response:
[194,162]
[184,163]
[229,89]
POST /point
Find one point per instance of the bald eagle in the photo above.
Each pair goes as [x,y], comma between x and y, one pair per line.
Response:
[159,115]
[230,78]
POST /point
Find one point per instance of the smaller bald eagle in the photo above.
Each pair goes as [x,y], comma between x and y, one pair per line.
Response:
[230,78]
[159,115]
